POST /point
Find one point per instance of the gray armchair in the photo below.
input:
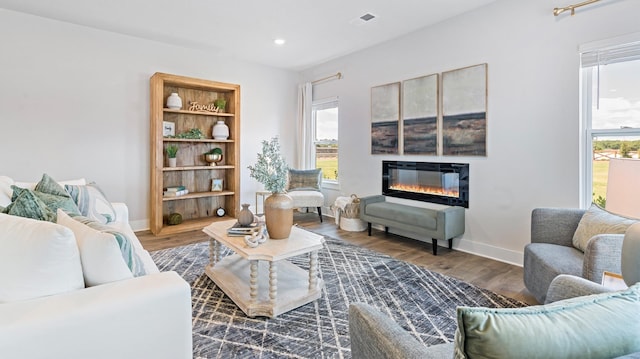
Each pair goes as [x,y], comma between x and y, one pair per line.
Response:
[551,251]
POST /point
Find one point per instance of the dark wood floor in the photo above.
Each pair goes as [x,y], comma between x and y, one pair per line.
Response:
[486,273]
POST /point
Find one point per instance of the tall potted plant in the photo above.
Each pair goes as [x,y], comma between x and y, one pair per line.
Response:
[271,170]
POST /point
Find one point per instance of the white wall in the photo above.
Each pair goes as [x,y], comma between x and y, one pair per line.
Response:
[75,103]
[533,112]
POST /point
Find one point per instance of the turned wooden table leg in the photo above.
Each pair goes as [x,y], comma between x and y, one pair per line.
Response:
[214,252]
[273,282]
[313,270]
[253,280]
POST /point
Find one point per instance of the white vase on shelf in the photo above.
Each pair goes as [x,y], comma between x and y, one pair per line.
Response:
[220,131]
[174,101]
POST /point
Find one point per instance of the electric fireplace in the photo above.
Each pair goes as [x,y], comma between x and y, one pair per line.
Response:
[435,182]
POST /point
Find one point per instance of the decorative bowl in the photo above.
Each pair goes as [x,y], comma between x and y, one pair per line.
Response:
[212,158]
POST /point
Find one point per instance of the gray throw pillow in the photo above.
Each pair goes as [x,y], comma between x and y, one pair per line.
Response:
[305,180]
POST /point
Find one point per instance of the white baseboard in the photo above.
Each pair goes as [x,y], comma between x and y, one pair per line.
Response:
[140,225]
[472,247]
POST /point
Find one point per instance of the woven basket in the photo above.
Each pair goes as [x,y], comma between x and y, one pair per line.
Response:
[352,210]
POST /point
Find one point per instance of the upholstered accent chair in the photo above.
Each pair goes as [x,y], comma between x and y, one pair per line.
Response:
[303,186]
[577,242]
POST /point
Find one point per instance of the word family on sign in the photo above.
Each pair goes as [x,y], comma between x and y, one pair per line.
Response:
[205,108]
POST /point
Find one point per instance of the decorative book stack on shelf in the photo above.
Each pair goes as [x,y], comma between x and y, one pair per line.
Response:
[195,187]
[175,191]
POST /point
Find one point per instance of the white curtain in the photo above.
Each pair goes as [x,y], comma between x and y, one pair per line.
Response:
[304,130]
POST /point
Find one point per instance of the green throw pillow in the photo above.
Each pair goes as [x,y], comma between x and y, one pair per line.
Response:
[305,180]
[28,205]
[595,326]
[49,185]
[52,201]
[598,221]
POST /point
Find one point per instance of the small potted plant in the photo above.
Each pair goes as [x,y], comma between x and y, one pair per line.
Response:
[220,104]
[172,151]
[213,156]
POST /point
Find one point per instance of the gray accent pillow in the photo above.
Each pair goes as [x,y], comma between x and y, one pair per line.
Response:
[594,326]
[305,180]
[598,221]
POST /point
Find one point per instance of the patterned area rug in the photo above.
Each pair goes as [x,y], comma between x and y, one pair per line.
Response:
[423,302]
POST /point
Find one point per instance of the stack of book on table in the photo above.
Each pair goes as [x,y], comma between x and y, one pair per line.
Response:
[175,191]
[240,231]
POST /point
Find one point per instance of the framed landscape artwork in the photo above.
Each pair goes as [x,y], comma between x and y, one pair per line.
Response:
[216,185]
[464,111]
[385,117]
[420,115]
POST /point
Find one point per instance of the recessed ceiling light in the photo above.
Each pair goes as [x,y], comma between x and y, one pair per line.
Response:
[279,41]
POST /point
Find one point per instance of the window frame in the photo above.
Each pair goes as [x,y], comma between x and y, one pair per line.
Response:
[587,133]
[321,105]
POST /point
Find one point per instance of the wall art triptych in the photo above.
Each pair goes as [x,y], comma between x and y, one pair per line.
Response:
[447,117]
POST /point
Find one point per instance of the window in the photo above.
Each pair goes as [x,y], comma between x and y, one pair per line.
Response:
[324,115]
[610,112]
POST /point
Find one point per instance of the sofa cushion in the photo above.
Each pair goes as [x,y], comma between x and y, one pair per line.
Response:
[304,180]
[423,217]
[92,202]
[549,261]
[598,221]
[37,258]
[595,326]
[125,243]
[102,261]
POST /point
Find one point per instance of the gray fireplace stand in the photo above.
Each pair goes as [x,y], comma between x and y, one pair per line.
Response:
[444,224]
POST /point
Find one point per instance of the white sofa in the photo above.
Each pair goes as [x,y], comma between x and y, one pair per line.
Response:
[147,316]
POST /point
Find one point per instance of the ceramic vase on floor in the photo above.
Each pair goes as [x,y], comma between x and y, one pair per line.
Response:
[278,213]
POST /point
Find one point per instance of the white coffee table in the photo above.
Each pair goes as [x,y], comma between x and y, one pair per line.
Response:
[260,280]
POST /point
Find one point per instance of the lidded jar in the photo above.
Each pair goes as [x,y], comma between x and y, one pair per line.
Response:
[174,101]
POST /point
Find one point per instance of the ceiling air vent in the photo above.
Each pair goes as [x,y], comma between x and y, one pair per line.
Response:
[367,17]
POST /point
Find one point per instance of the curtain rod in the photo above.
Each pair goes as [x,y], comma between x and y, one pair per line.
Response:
[559,10]
[338,75]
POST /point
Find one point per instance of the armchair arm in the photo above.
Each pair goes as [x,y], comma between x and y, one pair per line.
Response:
[555,225]
[374,335]
[567,286]
[603,253]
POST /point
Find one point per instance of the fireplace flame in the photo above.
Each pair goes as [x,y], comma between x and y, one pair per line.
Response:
[439,191]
